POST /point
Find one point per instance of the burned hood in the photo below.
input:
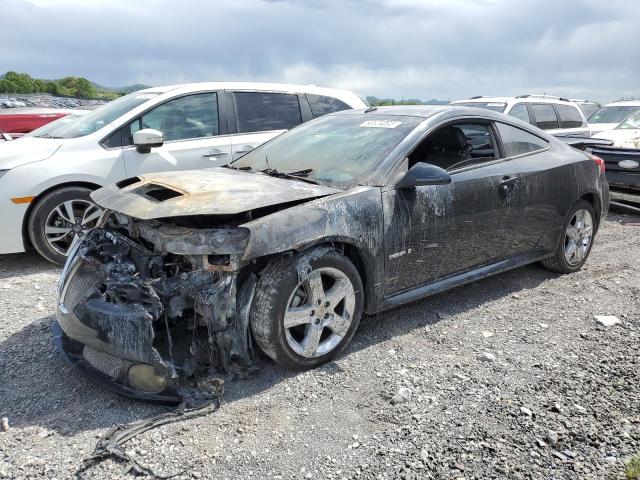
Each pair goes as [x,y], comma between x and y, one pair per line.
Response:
[214,191]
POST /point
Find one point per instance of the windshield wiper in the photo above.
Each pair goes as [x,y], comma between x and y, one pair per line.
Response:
[242,169]
[297,175]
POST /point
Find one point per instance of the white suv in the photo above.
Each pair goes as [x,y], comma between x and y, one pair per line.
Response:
[612,115]
[556,115]
[45,180]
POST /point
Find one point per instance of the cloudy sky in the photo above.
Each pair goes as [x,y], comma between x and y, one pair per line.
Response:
[387,48]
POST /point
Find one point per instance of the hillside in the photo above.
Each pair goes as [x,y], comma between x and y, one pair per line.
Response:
[75,87]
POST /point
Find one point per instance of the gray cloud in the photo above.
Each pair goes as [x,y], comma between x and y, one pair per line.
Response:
[410,48]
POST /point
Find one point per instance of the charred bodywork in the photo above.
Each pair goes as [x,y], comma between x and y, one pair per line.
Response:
[163,291]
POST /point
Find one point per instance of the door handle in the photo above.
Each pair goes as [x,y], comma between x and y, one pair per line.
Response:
[245,149]
[215,154]
[507,182]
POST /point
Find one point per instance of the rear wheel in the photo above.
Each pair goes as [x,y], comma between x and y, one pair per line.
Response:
[575,245]
[59,220]
[307,308]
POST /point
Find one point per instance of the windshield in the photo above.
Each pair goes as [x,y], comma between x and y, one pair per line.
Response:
[495,106]
[50,127]
[612,114]
[335,149]
[98,118]
[633,122]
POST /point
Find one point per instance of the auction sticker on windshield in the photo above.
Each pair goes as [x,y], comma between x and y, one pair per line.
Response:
[380,123]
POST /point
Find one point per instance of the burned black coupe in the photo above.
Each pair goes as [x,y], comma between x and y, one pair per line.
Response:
[285,248]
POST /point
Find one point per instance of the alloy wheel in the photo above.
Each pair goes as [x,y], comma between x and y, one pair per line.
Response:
[319,312]
[68,222]
[578,237]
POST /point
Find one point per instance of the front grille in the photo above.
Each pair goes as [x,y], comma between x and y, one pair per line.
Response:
[79,282]
[103,362]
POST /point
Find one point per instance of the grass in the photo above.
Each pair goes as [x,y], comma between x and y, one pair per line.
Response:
[633,468]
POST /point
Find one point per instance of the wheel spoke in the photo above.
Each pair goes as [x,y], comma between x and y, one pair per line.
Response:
[573,232]
[311,341]
[68,207]
[340,289]
[295,316]
[315,290]
[74,240]
[90,214]
[339,324]
[55,234]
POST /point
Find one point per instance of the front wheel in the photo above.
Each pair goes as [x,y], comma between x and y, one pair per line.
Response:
[577,238]
[307,308]
[59,220]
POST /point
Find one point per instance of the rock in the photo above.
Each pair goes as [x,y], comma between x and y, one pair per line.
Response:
[403,395]
[487,334]
[559,455]
[487,357]
[606,320]
[5,424]
[544,325]
[526,411]
[552,437]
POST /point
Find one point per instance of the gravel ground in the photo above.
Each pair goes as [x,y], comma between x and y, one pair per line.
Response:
[509,377]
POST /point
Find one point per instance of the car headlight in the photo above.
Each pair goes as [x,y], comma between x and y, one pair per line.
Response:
[2,172]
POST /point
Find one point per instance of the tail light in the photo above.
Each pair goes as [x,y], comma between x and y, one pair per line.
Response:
[599,162]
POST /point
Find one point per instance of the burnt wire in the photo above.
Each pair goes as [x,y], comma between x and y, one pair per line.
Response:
[111,444]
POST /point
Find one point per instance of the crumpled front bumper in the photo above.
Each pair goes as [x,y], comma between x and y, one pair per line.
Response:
[111,317]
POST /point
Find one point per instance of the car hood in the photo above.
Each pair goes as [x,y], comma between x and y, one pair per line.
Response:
[27,150]
[622,138]
[214,191]
[601,127]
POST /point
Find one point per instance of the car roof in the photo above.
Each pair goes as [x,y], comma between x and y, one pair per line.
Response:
[341,94]
[624,103]
[423,111]
[520,99]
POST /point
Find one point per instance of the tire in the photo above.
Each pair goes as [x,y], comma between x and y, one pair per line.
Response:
[560,262]
[44,219]
[280,296]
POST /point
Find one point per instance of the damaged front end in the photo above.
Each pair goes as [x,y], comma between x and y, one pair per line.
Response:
[146,308]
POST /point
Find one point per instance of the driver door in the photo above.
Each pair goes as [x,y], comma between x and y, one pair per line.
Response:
[190,126]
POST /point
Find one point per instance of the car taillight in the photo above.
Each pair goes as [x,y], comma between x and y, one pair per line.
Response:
[599,163]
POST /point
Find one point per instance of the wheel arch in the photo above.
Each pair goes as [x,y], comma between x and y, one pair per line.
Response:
[25,221]
[594,199]
[361,259]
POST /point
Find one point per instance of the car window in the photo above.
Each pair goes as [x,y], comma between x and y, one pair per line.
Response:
[520,111]
[588,108]
[613,114]
[516,141]
[456,146]
[545,115]
[569,116]
[333,149]
[263,111]
[184,118]
[321,105]
[633,122]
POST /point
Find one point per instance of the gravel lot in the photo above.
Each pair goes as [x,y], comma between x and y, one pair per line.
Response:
[510,377]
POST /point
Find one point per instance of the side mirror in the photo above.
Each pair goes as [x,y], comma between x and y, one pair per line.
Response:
[146,139]
[423,174]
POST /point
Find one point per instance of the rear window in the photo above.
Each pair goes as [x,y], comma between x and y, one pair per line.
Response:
[569,116]
[262,111]
[588,108]
[613,114]
[516,141]
[545,116]
[321,105]
[495,106]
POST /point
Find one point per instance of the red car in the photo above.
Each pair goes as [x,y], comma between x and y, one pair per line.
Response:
[17,122]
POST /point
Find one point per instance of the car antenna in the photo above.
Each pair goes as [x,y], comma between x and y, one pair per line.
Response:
[266,159]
